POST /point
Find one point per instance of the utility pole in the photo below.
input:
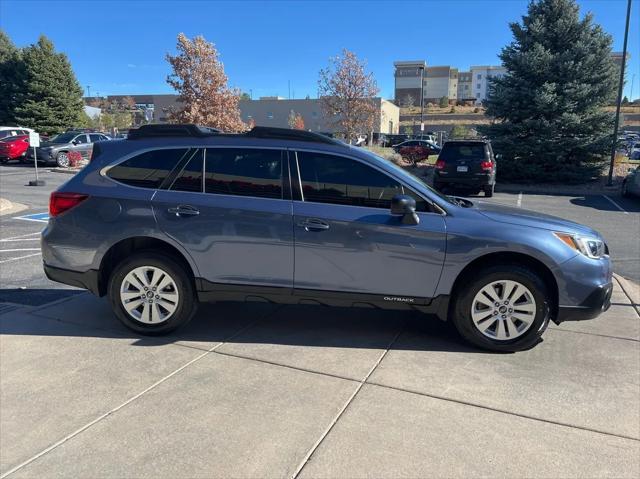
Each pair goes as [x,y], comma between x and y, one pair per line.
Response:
[633,79]
[88,91]
[620,86]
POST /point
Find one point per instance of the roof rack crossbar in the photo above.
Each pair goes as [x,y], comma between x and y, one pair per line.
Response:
[164,130]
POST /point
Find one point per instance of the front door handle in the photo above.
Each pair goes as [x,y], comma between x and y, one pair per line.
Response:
[314,224]
[184,210]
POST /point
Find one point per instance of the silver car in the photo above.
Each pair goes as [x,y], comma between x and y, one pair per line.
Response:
[57,149]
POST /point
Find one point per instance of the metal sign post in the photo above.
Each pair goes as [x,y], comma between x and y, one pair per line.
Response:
[34,142]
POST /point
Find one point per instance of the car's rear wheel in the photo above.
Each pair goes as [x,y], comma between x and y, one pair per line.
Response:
[505,308]
[62,159]
[152,294]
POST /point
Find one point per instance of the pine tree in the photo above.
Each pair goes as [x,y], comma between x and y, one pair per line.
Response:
[50,98]
[10,74]
[199,78]
[550,124]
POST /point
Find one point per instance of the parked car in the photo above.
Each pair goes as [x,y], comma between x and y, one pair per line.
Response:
[9,131]
[416,150]
[631,183]
[468,164]
[14,148]
[177,214]
[57,148]
[634,151]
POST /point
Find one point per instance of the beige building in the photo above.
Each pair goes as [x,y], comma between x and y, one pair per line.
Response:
[267,111]
[414,77]
[465,84]
[275,112]
[441,81]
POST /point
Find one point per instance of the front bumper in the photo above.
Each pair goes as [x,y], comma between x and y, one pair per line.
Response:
[597,302]
[86,280]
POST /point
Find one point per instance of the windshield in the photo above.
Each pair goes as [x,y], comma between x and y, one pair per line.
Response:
[63,138]
[404,173]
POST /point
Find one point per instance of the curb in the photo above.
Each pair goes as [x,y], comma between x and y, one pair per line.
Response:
[631,289]
[68,171]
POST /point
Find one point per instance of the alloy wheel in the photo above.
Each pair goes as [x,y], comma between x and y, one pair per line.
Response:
[503,310]
[149,295]
[63,160]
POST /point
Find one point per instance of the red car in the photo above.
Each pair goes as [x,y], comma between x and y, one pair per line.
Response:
[416,150]
[14,148]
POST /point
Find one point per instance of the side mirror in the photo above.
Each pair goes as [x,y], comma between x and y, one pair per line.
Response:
[405,206]
[74,142]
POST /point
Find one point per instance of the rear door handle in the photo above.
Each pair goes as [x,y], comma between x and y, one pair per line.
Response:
[313,224]
[184,210]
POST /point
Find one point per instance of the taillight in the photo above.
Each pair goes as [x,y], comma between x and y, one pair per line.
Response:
[486,165]
[439,164]
[61,202]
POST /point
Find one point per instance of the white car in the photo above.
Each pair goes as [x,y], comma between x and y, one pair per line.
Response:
[6,131]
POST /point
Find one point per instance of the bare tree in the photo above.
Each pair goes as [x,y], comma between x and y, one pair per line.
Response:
[346,94]
[198,76]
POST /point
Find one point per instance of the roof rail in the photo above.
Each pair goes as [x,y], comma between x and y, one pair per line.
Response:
[289,134]
[164,130]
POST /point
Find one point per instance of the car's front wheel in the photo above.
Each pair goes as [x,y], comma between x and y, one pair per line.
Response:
[152,294]
[504,308]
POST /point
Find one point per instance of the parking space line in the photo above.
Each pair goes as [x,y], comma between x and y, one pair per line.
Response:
[519,203]
[19,249]
[12,238]
[19,257]
[313,449]
[616,205]
[18,239]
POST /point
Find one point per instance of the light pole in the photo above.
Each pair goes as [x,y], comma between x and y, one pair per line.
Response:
[88,91]
[421,101]
[620,85]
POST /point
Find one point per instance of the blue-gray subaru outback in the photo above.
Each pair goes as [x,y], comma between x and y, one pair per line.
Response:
[178,214]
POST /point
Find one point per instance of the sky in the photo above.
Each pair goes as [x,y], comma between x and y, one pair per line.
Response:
[278,48]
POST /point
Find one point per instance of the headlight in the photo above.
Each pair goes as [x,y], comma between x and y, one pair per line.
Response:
[588,246]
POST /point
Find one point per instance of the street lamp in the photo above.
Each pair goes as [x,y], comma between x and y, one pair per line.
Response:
[620,86]
[421,100]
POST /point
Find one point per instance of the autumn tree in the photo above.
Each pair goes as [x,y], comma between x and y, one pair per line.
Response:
[347,93]
[198,77]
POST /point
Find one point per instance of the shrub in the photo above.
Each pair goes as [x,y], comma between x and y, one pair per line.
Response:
[476,110]
[453,109]
[444,102]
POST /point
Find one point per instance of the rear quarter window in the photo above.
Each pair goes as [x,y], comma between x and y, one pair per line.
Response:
[148,169]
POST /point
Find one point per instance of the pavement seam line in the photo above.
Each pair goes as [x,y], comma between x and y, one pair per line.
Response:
[19,257]
[129,401]
[556,328]
[100,418]
[503,411]
[316,445]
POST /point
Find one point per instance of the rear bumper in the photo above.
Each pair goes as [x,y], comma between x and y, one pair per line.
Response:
[471,180]
[87,280]
[597,302]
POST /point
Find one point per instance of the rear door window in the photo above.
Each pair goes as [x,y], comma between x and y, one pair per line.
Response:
[190,178]
[244,172]
[148,169]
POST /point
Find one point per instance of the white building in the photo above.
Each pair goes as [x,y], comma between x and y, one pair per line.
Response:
[479,80]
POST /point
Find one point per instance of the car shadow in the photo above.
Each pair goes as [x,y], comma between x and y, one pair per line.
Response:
[311,326]
[600,202]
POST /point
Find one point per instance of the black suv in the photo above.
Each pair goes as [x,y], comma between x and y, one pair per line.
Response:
[468,164]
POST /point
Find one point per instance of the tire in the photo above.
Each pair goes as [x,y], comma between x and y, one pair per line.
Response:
[521,328]
[62,160]
[488,191]
[178,302]
[625,189]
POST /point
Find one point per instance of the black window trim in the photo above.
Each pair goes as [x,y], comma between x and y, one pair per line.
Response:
[299,196]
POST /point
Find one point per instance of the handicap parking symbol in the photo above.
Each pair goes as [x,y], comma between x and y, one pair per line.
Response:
[41,217]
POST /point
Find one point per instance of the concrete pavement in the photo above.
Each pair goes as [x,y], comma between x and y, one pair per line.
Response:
[255,390]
